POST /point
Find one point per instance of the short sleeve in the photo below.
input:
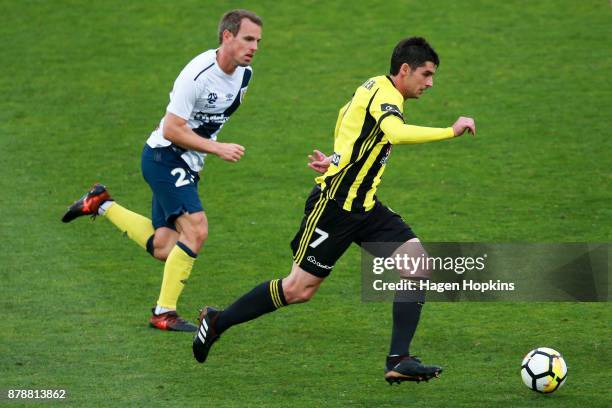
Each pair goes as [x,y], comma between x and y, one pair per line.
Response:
[183,96]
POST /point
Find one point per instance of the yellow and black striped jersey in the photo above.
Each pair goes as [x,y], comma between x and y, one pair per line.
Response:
[367,126]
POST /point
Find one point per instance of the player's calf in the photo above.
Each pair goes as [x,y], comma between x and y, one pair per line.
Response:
[161,243]
[193,230]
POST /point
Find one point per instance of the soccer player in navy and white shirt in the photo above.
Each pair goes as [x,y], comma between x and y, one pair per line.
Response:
[205,94]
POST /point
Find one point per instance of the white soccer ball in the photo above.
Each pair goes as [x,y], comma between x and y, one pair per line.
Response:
[544,370]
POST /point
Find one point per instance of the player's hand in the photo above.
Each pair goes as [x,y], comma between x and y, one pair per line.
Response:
[462,124]
[318,161]
[230,152]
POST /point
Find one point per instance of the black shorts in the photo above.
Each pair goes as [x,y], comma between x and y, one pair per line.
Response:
[327,231]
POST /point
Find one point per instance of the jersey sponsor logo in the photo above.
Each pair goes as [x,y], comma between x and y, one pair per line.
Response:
[369,84]
[314,261]
[387,107]
[210,117]
[335,159]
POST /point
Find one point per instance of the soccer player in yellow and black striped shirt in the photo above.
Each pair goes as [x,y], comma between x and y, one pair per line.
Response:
[342,208]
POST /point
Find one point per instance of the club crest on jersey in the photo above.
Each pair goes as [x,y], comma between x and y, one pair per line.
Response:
[335,159]
[212,97]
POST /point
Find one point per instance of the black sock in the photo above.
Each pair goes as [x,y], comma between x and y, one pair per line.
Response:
[406,313]
[262,299]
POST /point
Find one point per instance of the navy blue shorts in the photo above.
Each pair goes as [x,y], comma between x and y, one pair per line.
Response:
[173,183]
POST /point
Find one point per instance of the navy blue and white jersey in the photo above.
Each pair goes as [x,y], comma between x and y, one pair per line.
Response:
[205,97]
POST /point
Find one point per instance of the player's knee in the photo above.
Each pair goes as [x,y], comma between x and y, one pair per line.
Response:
[161,254]
[306,294]
[200,235]
[162,245]
[295,293]
[195,233]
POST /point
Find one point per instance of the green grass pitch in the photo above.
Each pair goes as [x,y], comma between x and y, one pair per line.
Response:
[82,85]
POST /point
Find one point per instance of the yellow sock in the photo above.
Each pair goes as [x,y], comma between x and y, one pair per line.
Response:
[138,228]
[178,268]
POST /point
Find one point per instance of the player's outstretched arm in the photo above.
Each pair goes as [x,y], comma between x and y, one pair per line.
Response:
[398,132]
[318,161]
[176,130]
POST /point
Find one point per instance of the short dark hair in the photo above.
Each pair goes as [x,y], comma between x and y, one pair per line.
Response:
[232,19]
[414,51]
